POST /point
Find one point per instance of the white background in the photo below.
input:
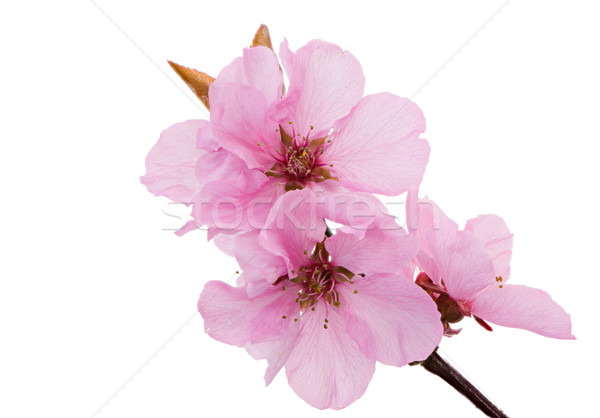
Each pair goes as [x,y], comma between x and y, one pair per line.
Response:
[93,287]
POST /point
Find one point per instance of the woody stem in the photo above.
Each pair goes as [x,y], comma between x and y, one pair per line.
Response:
[437,365]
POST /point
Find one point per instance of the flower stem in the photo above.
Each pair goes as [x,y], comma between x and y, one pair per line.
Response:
[437,365]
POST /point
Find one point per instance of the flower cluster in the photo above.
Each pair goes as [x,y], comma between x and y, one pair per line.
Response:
[266,174]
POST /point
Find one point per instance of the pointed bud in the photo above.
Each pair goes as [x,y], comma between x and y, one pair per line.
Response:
[197,81]
[262,38]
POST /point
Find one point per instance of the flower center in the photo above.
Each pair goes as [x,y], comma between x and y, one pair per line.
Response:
[300,162]
[319,280]
[298,159]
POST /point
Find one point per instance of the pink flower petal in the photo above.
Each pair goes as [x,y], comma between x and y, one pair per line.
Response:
[188,227]
[206,139]
[231,317]
[238,204]
[239,121]
[496,239]
[523,307]
[379,251]
[433,229]
[171,163]
[358,211]
[287,58]
[275,352]
[260,267]
[258,67]
[377,148]
[218,165]
[465,266]
[293,228]
[226,242]
[393,320]
[325,83]
[326,367]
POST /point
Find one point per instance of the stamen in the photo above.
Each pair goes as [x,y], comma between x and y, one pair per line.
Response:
[298,158]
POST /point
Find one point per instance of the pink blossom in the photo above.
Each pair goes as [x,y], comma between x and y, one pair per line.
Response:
[322,128]
[260,143]
[325,308]
[466,272]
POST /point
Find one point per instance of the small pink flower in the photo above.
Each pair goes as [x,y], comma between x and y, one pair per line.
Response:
[322,134]
[466,272]
[325,308]
[322,128]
